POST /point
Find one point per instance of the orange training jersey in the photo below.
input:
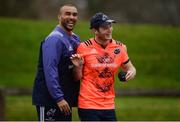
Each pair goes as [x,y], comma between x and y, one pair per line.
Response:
[100,66]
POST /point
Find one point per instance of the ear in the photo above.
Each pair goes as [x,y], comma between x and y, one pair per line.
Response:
[94,30]
[59,17]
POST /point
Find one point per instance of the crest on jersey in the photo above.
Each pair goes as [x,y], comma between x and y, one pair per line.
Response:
[70,48]
[117,51]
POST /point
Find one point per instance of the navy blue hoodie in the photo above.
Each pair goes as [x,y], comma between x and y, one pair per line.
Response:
[54,79]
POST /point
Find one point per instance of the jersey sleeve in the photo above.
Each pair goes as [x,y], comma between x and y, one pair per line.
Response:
[81,48]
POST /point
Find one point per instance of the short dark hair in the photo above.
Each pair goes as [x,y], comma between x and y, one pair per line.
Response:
[67,4]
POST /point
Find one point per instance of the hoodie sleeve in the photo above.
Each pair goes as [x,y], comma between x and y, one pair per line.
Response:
[52,51]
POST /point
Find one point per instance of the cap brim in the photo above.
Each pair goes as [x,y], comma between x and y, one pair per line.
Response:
[107,22]
[110,21]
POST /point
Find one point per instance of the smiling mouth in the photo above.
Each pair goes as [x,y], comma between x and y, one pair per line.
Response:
[108,34]
[70,24]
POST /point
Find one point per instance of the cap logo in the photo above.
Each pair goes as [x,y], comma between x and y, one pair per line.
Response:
[70,48]
[104,17]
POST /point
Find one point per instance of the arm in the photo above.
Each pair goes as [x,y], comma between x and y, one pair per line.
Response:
[78,62]
[128,67]
[52,51]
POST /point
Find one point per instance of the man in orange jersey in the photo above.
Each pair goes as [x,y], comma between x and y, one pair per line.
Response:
[97,61]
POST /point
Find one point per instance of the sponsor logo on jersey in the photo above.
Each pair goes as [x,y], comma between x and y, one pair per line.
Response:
[117,51]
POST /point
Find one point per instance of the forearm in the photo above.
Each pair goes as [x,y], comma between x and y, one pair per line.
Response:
[133,69]
[51,56]
[53,82]
[77,72]
[130,70]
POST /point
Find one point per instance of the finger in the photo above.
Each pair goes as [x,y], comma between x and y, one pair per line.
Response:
[128,75]
[73,55]
[69,109]
[131,76]
[78,56]
[61,109]
[66,110]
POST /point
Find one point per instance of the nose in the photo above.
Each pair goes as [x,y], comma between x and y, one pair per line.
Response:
[110,29]
[71,16]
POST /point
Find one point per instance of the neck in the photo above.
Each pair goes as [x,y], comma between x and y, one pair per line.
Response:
[65,30]
[103,43]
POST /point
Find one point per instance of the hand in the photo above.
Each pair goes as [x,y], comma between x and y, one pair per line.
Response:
[64,107]
[130,74]
[77,60]
[130,70]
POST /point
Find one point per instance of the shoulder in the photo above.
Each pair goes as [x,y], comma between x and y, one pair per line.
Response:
[53,39]
[87,43]
[120,44]
[76,37]
[117,42]
[84,46]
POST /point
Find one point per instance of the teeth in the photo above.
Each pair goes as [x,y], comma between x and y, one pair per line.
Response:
[70,24]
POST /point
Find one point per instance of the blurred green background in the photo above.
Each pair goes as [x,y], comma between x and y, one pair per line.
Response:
[153,49]
[149,28]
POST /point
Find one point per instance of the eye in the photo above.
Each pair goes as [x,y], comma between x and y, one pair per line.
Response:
[68,13]
[75,14]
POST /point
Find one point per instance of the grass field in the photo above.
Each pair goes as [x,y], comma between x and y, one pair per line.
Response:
[153,49]
[128,108]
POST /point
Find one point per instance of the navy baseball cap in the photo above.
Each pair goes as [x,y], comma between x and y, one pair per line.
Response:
[100,19]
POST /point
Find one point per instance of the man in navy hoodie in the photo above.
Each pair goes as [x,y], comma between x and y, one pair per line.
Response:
[55,88]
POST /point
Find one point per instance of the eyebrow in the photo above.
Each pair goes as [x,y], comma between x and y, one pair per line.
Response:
[71,12]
